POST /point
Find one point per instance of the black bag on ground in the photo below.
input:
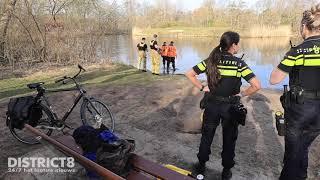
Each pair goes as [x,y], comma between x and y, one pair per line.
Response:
[115,156]
[87,138]
[23,110]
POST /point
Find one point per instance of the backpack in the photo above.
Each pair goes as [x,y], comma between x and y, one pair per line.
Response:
[23,110]
[87,138]
[115,156]
[105,148]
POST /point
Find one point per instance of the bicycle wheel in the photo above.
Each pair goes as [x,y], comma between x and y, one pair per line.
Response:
[94,113]
[27,137]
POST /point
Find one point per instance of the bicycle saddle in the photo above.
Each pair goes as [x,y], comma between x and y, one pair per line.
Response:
[35,85]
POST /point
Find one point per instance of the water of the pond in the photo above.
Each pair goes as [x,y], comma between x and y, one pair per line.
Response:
[262,55]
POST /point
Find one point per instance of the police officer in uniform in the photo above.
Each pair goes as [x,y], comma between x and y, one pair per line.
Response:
[155,56]
[142,49]
[302,105]
[224,72]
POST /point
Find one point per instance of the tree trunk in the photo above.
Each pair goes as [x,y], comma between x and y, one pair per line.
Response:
[4,24]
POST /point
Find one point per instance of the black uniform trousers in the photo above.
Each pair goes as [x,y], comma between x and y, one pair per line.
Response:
[173,61]
[302,127]
[216,112]
[164,59]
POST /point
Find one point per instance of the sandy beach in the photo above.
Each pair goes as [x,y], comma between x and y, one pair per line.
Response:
[160,117]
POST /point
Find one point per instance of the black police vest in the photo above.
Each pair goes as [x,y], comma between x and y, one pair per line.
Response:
[142,47]
[306,72]
[152,44]
[230,81]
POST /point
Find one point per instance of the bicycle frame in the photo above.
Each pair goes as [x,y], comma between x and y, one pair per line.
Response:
[82,95]
[76,101]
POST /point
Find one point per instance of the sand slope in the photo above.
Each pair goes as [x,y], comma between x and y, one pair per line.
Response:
[157,117]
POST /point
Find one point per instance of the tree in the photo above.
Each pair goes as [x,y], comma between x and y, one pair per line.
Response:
[4,24]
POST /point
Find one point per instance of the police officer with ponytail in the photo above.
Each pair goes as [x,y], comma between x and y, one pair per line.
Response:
[224,72]
[302,102]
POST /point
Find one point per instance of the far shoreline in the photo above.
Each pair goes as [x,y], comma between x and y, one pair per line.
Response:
[283,31]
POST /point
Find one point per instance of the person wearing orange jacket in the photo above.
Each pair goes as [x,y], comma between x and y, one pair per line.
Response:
[172,55]
[164,54]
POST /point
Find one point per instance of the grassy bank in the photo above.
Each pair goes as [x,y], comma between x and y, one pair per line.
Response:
[252,32]
[96,75]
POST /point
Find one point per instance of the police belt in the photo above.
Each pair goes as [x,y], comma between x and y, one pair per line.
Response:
[228,99]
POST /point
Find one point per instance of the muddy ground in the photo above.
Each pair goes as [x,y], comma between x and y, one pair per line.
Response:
[158,116]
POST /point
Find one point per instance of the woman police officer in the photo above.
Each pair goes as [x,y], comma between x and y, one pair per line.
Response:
[302,63]
[224,72]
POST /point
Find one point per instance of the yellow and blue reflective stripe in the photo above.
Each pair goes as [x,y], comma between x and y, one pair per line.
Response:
[201,66]
[311,62]
[300,56]
[292,57]
[242,69]
[312,55]
[246,72]
[228,67]
[235,73]
[225,72]
[299,62]
[295,57]
[288,62]
[302,60]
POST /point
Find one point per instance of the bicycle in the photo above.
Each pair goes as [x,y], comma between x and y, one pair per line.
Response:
[93,112]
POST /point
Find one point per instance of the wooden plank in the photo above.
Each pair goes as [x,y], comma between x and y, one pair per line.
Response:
[136,175]
[103,172]
[137,161]
[70,143]
[156,169]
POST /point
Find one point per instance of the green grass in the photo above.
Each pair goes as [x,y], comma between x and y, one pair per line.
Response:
[98,77]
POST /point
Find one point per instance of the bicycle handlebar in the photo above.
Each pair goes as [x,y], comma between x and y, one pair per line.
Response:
[72,78]
[81,68]
[62,79]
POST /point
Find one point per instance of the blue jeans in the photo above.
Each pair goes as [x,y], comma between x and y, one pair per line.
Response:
[302,127]
[213,114]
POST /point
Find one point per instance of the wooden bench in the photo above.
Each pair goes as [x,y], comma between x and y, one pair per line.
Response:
[143,169]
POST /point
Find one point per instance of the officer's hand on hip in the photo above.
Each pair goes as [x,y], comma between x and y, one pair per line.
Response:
[206,89]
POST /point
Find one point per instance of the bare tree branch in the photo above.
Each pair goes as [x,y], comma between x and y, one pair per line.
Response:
[26,29]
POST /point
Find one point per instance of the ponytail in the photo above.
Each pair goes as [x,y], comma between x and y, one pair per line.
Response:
[213,74]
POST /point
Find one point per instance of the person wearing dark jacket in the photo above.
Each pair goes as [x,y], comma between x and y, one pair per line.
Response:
[142,49]
[302,102]
[224,72]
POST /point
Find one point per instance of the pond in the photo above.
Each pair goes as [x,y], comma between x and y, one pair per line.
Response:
[262,55]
